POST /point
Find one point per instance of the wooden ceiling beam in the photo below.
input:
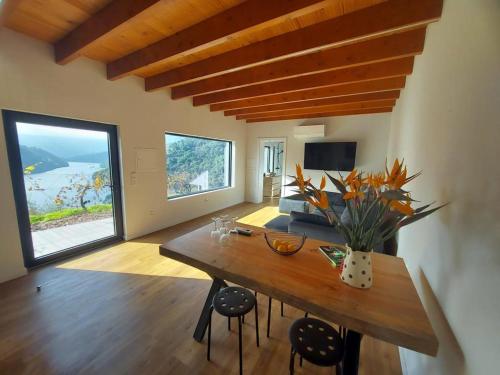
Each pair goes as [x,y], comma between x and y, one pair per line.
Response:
[247,16]
[387,48]
[387,84]
[311,104]
[393,68]
[104,21]
[323,114]
[384,103]
[378,20]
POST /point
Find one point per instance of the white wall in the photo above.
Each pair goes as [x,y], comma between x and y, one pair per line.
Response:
[31,81]
[447,123]
[370,131]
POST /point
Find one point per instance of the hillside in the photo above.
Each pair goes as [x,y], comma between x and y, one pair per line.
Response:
[195,156]
[42,160]
[100,157]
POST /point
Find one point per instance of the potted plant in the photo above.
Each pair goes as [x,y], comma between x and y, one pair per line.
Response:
[376,208]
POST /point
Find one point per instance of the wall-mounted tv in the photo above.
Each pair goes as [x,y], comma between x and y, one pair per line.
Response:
[330,156]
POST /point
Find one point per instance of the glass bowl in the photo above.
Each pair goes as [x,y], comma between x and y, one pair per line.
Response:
[285,243]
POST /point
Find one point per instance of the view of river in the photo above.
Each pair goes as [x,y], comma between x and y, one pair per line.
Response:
[42,188]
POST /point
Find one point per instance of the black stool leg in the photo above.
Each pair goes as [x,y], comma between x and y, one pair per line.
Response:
[300,361]
[292,361]
[306,315]
[209,332]
[338,369]
[240,345]
[257,323]
[228,323]
[269,317]
[282,309]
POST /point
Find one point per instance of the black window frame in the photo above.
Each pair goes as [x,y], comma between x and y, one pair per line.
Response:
[230,162]
[10,119]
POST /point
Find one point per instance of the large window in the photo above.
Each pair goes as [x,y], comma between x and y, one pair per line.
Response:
[196,164]
[65,175]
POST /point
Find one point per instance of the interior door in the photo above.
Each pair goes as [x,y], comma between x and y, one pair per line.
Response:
[66,182]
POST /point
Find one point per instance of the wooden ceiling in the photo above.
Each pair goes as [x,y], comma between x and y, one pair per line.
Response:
[258,60]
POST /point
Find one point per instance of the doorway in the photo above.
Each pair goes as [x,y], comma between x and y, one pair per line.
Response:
[272,168]
[66,181]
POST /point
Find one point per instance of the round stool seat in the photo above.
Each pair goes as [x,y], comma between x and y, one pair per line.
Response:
[316,341]
[233,301]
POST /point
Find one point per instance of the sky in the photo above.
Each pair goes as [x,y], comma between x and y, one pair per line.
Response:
[57,131]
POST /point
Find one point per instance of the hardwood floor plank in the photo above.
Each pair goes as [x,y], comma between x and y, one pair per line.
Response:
[126,309]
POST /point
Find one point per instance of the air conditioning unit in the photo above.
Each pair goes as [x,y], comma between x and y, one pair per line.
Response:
[309,131]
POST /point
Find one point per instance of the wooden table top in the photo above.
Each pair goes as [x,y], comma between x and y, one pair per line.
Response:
[390,310]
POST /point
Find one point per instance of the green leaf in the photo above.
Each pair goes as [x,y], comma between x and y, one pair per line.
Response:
[416,217]
[339,185]
[293,183]
[420,209]
[396,195]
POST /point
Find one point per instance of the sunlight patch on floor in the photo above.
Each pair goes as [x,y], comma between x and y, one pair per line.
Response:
[261,216]
[133,257]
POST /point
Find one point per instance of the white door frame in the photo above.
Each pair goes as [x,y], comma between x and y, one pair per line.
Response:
[260,169]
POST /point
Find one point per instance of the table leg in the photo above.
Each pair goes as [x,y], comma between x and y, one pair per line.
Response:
[202,325]
[351,353]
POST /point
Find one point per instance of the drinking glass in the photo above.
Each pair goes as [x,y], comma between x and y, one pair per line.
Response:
[233,224]
[224,232]
[215,233]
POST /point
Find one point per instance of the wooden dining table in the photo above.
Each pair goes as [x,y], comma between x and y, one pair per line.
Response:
[390,310]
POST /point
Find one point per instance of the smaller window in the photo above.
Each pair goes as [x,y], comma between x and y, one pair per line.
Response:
[196,164]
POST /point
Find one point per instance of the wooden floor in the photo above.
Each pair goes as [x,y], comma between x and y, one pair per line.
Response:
[127,310]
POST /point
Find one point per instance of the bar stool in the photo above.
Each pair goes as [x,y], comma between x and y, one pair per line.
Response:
[234,301]
[317,342]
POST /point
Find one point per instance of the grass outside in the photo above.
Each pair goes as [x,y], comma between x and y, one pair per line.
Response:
[67,212]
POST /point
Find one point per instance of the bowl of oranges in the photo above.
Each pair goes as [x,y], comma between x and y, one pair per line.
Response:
[285,243]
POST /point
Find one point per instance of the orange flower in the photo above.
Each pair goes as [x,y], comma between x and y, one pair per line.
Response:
[352,177]
[298,170]
[353,195]
[404,208]
[375,180]
[354,182]
[323,201]
[300,178]
[322,185]
[320,200]
[397,178]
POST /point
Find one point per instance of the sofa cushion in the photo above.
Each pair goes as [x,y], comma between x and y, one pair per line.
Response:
[337,209]
[308,218]
[293,203]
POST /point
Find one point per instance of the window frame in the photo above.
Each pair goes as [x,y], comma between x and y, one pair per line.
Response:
[230,163]
[10,120]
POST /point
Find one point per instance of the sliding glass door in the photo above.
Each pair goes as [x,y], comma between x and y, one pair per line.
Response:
[65,175]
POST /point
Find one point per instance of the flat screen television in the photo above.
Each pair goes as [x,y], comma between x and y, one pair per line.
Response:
[330,156]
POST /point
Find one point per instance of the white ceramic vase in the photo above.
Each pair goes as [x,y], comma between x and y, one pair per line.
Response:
[357,269]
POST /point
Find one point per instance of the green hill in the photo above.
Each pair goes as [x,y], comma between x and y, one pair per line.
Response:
[194,156]
[42,160]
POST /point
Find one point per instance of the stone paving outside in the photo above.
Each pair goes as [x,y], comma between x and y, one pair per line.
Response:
[56,239]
